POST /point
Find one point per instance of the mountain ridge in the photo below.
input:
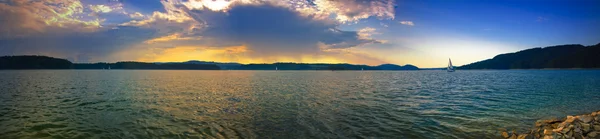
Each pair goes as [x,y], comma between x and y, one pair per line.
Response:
[566,56]
[42,62]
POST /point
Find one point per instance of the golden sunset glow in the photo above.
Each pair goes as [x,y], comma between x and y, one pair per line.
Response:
[239,54]
[185,53]
[266,31]
[171,37]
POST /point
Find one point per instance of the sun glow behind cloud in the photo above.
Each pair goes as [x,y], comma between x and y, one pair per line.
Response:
[245,31]
[227,54]
[212,30]
[215,5]
[182,27]
[315,31]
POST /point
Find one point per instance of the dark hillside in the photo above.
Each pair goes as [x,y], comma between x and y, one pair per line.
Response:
[562,56]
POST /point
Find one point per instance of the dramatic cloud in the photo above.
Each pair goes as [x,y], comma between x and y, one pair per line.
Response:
[22,18]
[343,10]
[408,23]
[136,15]
[354,10]
[104,8]
[263,30]
[80,47]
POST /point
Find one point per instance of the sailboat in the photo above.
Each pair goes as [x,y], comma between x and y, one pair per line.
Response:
[276,68]
[450,67]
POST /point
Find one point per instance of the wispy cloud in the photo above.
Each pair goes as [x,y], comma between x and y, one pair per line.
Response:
[541,19]
[408,23]
[384,25]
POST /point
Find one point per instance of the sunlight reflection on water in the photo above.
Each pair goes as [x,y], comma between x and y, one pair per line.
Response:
[287,104]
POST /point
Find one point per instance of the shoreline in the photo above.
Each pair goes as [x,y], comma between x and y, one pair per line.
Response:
[585,126]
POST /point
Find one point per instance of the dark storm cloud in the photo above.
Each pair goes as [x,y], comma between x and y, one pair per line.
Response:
[273,29]
[79,47]
[265,29]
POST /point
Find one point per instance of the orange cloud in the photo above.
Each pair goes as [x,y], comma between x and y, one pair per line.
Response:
[185,53]
[172,37]
[24,18]
[242,54]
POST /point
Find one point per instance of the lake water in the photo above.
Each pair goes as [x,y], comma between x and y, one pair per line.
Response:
[287,104]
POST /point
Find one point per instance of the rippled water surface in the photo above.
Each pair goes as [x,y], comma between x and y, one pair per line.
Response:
[287,104]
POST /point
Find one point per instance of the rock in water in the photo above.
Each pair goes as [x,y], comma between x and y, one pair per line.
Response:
[566,129]
[570,119]
[592,134]
[578,136]
[523,136]
[555,125]
[559,129]
[578,130]
[547,132]
[570,134]
[586,127]
[505,134]
[586,118]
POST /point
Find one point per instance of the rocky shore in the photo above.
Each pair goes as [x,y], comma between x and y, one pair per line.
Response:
[585,126]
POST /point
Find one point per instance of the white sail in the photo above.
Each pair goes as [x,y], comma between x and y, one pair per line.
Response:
[450,67]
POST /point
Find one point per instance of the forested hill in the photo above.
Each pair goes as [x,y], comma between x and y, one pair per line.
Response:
[561,56]
[44,62]
[33,62]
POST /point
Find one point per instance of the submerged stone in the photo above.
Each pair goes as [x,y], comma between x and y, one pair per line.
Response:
[559,129]
[570,119]
[586,127]
[548,137]
[578,130]
[571,127]
[505,134]
[555,125]
[547,132]
[523,136]
[539,123]
[586,118]
[570,134]
[578,136]
[592,134]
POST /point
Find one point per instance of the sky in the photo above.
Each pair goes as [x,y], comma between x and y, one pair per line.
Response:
[425,33]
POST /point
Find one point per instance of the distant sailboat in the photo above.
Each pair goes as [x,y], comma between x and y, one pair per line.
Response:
[450,67]
[108,67]
[276,68]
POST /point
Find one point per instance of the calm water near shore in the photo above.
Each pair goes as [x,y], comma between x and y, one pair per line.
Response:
[287,104]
